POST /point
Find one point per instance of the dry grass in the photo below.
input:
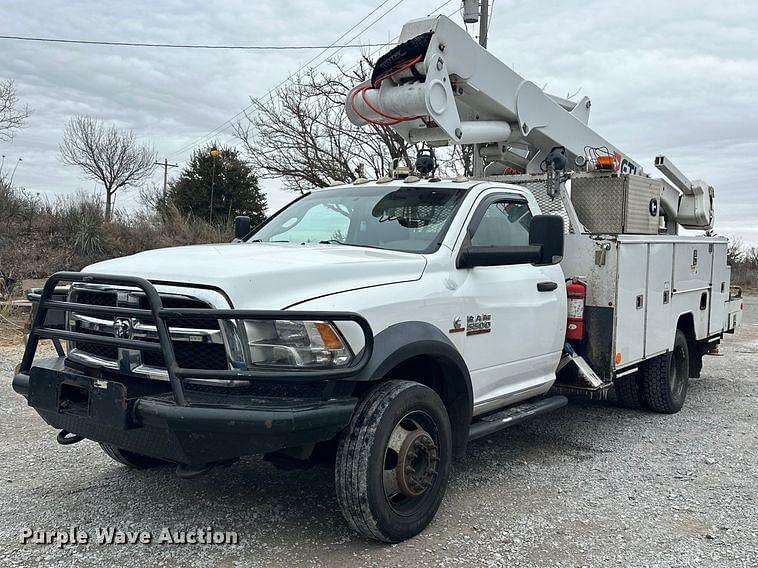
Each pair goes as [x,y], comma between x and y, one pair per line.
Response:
[40,237]
[14,323]
[744,263]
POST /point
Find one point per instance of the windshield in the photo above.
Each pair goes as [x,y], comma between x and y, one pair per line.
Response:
[408,219]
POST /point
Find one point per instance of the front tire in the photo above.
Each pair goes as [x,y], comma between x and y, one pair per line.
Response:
[393,462]
[665,379]
[131,459]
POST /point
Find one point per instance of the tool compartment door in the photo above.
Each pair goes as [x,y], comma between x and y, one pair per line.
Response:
[719,290]
[693,264]
[631,301]
[659,324]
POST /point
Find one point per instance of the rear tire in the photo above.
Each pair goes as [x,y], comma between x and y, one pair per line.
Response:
[393,461]
[131,459]
[628,392]
[665,379]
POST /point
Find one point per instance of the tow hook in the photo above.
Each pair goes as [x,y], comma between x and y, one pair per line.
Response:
[190,471]
[66,438]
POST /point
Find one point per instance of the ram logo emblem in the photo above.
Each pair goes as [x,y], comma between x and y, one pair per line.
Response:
[122,328]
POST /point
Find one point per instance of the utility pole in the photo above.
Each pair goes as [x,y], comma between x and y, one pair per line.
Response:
[484,22]
[166,166]
[484,17]
[214,154]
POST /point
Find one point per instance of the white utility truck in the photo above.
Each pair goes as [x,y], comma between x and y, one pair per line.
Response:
[384,324]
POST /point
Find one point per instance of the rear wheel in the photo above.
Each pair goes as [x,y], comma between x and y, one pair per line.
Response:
[131,459]
[393,462]
[665,379]
[628,391]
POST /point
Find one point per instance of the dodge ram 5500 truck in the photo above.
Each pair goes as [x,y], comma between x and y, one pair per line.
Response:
[384,324]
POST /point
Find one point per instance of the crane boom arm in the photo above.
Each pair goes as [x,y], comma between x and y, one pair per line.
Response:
[459,92]
[439,86]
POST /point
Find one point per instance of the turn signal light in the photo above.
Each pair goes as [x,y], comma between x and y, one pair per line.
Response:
[328,336]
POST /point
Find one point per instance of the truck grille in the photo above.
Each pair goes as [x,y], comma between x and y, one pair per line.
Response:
[98,350]
[198,343]
[191,356]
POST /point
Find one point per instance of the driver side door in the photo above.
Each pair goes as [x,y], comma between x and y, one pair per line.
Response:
[515,314]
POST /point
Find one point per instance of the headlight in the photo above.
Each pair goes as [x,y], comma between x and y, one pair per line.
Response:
[295,343]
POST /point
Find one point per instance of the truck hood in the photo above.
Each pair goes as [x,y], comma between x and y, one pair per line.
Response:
[270,275]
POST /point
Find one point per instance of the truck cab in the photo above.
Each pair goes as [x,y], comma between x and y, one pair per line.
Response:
[419,240]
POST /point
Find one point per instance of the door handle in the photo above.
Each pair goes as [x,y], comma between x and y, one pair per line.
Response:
[547,286]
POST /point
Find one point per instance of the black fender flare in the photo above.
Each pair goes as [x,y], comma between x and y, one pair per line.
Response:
[404,341]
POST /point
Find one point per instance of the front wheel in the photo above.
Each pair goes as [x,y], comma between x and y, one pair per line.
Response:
[393,462]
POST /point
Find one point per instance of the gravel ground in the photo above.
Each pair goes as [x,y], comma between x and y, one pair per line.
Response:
[589,485]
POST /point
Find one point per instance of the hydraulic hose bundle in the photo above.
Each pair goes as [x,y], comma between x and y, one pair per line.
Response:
[401,58]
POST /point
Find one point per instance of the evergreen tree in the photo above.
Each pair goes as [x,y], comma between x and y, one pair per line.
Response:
[234,185]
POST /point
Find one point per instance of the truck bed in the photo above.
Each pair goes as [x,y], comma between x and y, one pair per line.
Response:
[638,288]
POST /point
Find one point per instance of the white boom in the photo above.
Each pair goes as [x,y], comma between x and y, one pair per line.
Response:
[469,96]
[459,92]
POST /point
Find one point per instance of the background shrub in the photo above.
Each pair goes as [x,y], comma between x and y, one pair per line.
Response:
[39,237]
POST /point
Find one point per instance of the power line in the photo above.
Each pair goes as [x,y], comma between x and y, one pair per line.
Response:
[393,41]
[227,123]
[397,37]
[191,46]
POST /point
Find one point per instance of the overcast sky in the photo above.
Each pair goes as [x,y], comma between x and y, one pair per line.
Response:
[678,78]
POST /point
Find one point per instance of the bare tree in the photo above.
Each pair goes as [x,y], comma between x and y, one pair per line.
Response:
[12,117]
[301,133]
[735,251]
[106,154]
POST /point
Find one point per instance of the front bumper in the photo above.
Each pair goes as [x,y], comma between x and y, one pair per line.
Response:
[187,424]
[213,426]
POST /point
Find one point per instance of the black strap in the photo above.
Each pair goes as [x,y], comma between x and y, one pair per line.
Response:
[400,54]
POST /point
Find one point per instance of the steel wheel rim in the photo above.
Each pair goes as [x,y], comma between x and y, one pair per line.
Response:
[411,464]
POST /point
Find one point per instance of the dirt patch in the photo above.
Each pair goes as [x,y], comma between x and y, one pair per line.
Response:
[14,323]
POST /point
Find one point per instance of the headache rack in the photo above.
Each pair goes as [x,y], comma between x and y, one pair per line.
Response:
[165,346]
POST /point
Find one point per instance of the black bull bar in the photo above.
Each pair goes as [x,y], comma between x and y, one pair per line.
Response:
[159,314]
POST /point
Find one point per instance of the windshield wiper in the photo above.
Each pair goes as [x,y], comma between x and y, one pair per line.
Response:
[358,245]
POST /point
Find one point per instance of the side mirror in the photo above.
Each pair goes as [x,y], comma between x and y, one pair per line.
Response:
[545,247]
[546,231]
[242,227]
